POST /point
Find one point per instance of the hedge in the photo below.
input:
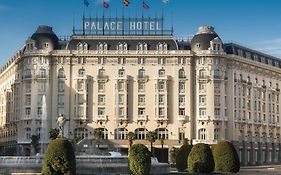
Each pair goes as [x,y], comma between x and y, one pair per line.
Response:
[182,155]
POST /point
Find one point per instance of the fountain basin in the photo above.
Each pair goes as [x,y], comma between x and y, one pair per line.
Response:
[85,165]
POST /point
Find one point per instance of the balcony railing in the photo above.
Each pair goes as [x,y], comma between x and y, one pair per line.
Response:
[182,118]
[102,117]
[142,117]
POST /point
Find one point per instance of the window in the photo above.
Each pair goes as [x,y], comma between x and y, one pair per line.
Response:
[39,99]
[161,85]
[28,133]
[181,111]
[41,86]
[28,100]
[141,86]
[60,99]
[181,73]
[101,86]
[81,133]
[217,112]
[217,134]
[42,73]
[101,111]
[217,73]
[81,72]
[39,111]
[141,60]
[121,60]
[81,98]
[101,73]
[202,73]
[61,86]
[28,87]
[141,99]
[202,134]
[161,98]
[120,133]
[202,86]
[181,99]
[38,132]
[27,111]
[141,111]
[140,133]
[121,98]
[60,111]
[121,72]
[80,111]
[141,73]
[27,73]
[216,61]
[61,73]
[202,111]
[181,86]
[161,112]
[202,99]
[162,133]
[80,85]
[101,99]
[161,73]
[181,135]
[121,85]
[121,112]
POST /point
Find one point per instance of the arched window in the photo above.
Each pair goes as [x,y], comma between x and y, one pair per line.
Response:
[162,133]
[181,73]
[80,46]
[61,73]
[160,47]
[202,73]
[120,46]
[161,72]
[101,72]
[145,48]
[165,47]
[121,72]
[125,46]
[105,47]
[42,73]
[85,46]
[120,133]
[140,47]
[202,134]
[27,133]
[81,133]
[140,133]
[141,73]
[104,133]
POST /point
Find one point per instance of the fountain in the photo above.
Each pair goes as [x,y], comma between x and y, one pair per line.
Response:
[44,127]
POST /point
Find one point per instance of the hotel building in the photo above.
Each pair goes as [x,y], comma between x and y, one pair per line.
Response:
[198,88]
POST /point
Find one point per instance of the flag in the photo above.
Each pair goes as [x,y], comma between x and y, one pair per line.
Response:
[145,5]
[126,2]
[105,5]
[86,3]
[165,1]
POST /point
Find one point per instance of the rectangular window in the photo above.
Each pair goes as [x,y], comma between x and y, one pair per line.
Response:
[202,99]
[202,111]
[60,110]
[202,86]
[141,99]
[161,85]
[161,112]
[28,87]
[101,111]
[101,86]
[39,99]
[181,99]
[80,110]
[121,111]
[121,86]
[181,111]
[101,99]
[141,86]
[60,99]
[61,86]
[41,86]
[81,98]
[121,98]
[28,100]
[161,98]
[181,86]
[27,111]
[141,111]
[217,111]
[80,85]
[39,111]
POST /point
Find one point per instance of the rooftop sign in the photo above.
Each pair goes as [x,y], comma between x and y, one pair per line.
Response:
[124,26]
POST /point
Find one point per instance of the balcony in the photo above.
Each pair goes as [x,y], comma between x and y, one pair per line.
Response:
[182,118]
[204,78]
[27,77]
[102,118]
[61,76]
[121,77]
[217,77]
[141,103]
[161,118]
[143,78]
[161,77]
[41,77]
[102,77]
[182,104]
[142,118]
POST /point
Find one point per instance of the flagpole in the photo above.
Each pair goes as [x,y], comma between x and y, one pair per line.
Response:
[142,16]
[83,19]
[103,18]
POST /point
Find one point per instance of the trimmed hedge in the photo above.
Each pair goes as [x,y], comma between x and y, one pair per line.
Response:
[182,155]
[139,160]
[59,158]
[200,159]
[226,157]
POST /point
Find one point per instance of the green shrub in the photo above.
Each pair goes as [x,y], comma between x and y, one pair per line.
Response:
[226,157]
[200,159]
[139,160]
[59,158]
[182,155]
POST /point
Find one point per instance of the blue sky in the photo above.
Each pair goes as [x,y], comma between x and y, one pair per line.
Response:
[253,23]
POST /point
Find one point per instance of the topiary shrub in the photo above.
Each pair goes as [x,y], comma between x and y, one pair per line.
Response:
[182,155]
[226,157]
[139,160]
[200,159]
[59,158]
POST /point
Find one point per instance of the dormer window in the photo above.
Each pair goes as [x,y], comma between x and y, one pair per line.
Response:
[140,47]
[85,47]
[46,45]
[80,46]
[198,45]
[145,46]
[105,47]
[165,46]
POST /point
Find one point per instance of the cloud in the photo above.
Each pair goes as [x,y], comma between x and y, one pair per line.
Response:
[271,47]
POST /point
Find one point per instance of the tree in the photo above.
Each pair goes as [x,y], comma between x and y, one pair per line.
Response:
[98,136]
[173,154]
[35,143]
[200,159]
[54,133]
[59,158]
[226,157]
[139,160]
[151,137]
[131,137]
[182,156]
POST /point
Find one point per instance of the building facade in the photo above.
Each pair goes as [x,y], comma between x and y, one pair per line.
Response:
[201,89]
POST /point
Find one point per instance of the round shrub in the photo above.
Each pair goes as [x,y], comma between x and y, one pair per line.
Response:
[182,155]
[59,158]
[139,160]
[200,159]
[226,157]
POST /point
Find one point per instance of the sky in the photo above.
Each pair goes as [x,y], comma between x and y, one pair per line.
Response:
[253,23]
